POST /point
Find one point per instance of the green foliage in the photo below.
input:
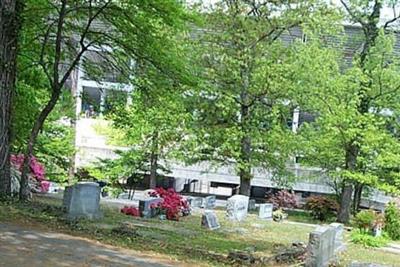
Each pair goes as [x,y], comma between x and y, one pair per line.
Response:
[240,106]
[322,208]
[360,237]
[392,221]
[366,220]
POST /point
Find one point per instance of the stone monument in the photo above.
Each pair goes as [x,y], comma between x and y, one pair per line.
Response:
[82,200]
[236,207]
[145,207]
[209,202]
[265,211]
[321,247]
[210,220]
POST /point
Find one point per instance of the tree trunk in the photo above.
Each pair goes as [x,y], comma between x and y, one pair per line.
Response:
[345,203]
[245,153]
[347,190]
[357,197]
[9,28]
[153,161]
[71,168]
[153,170]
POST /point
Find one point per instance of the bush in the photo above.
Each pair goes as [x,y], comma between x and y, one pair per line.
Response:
[131,211]
[321,207]
[360,237]
[392,221]
[283,199]
[173,205]
[365,220]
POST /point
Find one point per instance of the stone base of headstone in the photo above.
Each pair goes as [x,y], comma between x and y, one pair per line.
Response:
[82,200]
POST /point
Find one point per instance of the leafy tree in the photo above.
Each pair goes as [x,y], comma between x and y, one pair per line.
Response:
[154,124]
[242,107]
[58,34]
[354,137]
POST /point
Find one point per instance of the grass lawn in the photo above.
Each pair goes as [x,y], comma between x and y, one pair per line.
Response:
[185,240]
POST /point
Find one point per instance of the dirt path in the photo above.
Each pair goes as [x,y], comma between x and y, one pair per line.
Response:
[21,246]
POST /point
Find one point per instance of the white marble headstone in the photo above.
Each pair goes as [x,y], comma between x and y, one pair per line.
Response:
[236,207]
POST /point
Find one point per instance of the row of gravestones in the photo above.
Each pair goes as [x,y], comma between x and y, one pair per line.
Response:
[82,200]
[237,208]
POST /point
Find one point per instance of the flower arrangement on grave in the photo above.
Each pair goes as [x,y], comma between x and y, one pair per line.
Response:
[173,204]
[279,215]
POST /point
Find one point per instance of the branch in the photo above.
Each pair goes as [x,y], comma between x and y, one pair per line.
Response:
[352,15]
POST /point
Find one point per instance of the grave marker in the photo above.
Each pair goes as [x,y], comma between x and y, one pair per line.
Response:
[236,207]
[210,220]
[265,211]
[82,200]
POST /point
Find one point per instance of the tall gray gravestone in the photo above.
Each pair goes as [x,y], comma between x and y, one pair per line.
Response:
[236,207]
[321,247]
[265,211]
[82,200]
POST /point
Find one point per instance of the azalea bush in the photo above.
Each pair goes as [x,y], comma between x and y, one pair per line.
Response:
[322,207]
[37,179]
[283,199]
[173,204]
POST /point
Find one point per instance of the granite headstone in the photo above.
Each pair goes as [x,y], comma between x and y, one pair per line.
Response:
[236,207]
[210,220]
[321,247]
[209,202]
[82,200]
[339,244]
[145,207]
[265,211]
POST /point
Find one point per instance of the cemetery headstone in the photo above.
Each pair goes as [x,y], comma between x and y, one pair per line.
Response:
[321,247]
[145,207]
[236,207]
[210,202]
[82,200]
[196,202]
[265,211]
[252,204]
[210,220]
[339,244]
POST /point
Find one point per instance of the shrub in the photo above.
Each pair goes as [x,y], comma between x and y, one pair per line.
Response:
[283,199]
[392,221]
[321,207]
[173,205]
[366,220]
[133,211]
[360,237]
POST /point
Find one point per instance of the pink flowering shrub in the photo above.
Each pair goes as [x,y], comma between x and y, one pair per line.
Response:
[37,170]
[130,210]
[173,204]
[283,199]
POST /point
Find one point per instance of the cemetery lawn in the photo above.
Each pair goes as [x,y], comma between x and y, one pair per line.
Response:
[185,240]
